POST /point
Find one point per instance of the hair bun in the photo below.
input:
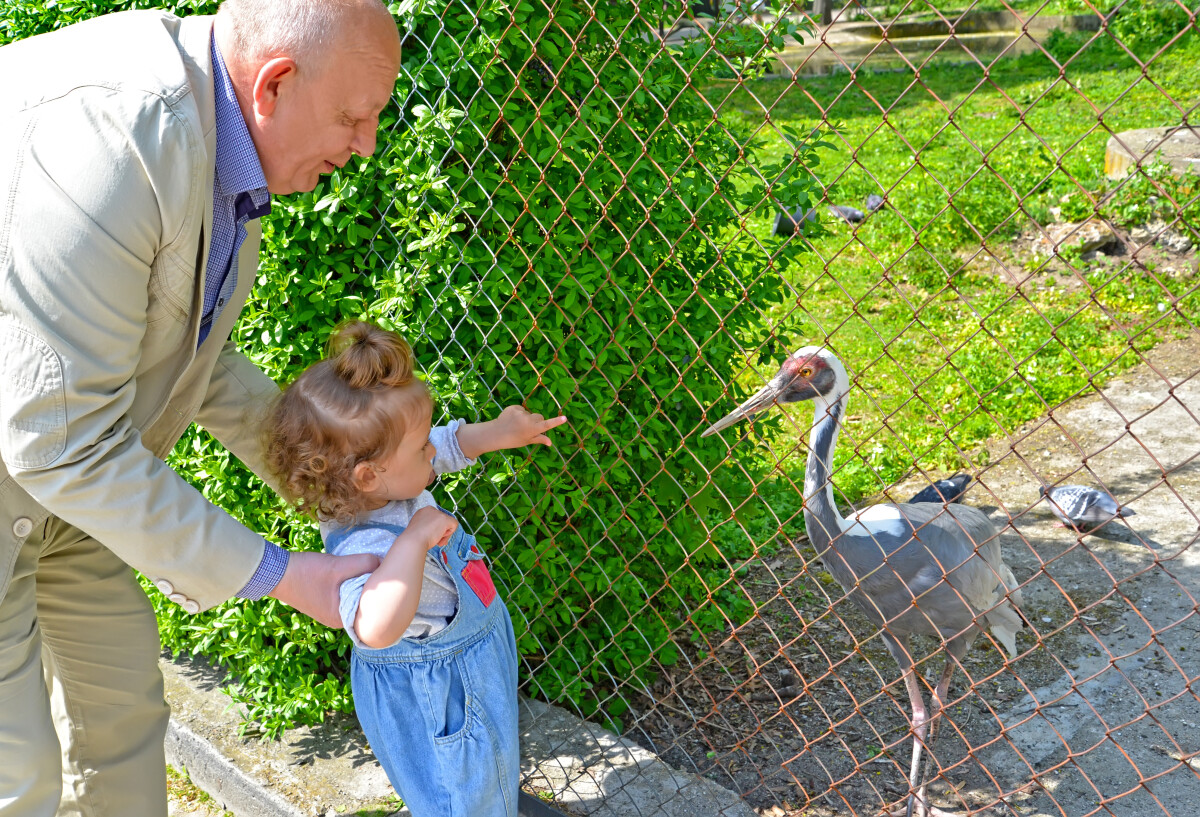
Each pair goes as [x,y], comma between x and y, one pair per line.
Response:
[368,357]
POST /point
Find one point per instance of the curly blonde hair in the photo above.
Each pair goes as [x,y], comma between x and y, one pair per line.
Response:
[354,406]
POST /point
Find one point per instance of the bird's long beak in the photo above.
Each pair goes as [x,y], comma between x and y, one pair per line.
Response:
[764,398]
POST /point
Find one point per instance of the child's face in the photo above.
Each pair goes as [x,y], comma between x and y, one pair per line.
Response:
[408,469]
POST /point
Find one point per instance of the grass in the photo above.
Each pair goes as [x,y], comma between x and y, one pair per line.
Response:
[947,353]
[919,8]
[182,790]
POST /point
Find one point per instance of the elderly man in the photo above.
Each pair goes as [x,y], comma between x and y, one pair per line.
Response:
[137,152]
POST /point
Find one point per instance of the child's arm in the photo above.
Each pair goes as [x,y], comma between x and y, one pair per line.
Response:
[513,428]
[390,596]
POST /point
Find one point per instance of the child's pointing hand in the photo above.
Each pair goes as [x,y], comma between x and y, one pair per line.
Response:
[517,426]
[513,428]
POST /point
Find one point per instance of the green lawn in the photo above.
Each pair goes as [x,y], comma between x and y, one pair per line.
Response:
[949,354]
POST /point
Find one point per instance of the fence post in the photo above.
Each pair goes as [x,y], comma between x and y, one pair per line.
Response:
[823,10]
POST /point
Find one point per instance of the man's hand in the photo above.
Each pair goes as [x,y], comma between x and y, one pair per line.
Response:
[311,582]
[431,527]
[514,428]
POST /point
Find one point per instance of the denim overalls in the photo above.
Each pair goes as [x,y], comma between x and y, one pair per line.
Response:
[441,712]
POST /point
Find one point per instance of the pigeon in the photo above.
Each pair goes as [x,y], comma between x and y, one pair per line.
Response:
[846,214]
[874,202]
[787,223]
[1080,507]
[944,490]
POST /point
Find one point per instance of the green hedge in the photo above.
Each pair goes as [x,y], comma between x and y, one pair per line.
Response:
[555,218]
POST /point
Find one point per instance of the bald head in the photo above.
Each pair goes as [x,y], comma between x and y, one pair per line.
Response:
[305,30]
[311,77]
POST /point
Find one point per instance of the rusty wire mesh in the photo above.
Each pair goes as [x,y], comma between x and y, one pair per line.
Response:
[1003,269]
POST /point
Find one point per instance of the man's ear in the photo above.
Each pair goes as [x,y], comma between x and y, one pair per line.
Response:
[366,478]
[272,80]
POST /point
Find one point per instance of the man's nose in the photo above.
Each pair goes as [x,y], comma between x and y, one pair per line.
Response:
[364,138]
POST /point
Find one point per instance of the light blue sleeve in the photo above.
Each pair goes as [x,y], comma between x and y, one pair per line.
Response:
[351,593]
[449,456]
[362,540]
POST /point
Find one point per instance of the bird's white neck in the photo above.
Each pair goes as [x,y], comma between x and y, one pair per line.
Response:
[818,486]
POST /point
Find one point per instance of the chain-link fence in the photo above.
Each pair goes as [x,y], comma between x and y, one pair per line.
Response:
[634,213]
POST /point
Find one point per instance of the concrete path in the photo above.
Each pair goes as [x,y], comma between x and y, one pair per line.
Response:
[329,771]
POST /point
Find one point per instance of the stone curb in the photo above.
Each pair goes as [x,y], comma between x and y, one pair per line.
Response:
[215,774]
[328,771]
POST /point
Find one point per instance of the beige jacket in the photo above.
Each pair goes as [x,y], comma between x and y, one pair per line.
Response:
[107,137]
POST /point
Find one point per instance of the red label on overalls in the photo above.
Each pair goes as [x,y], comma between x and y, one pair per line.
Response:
[476,575]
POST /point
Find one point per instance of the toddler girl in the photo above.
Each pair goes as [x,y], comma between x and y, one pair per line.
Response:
[434,668]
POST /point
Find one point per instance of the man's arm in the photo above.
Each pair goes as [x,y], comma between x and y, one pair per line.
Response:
[81,228]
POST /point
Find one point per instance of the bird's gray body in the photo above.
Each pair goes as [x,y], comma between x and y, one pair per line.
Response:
[944,583]
[1081,506]
[925,568]
[913,569]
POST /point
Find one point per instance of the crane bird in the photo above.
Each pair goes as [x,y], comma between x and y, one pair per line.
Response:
[927,569]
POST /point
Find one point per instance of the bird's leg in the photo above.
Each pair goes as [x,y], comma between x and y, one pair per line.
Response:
[924,726]
[920,718]
[920,726]
[936,704]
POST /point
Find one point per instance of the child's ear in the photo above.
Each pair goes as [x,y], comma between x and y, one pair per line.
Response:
[366,478]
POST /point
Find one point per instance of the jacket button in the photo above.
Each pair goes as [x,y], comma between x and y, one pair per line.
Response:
[22,527]
[190,607]
[177,598]
[165,587]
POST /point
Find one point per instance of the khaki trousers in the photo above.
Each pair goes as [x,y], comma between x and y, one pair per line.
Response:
[82,714]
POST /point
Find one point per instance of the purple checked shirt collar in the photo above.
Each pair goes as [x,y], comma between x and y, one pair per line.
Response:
[238,167]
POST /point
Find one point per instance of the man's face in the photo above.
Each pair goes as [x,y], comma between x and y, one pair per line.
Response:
[322,118]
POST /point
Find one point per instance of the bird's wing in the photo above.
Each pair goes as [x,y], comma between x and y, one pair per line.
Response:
[967,544]
[880,546]
[1101,508]
[1072,502]
[926,568]
[956,519]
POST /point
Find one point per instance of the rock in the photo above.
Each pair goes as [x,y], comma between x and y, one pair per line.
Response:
[1158,233]
[1178,146]
[1176,243]
[1087,237]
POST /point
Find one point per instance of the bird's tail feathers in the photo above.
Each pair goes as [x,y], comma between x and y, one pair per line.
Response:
[1126,512]
[1005,623]
[1005,619]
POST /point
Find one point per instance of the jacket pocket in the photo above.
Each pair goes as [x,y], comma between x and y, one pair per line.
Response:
[33,403]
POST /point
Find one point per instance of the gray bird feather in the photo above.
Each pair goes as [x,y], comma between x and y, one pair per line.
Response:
[933,576]
[787,224]
[951,489]
[1082,507]
[850,215]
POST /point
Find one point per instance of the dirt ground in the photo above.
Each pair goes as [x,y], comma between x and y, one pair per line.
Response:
[801,711]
